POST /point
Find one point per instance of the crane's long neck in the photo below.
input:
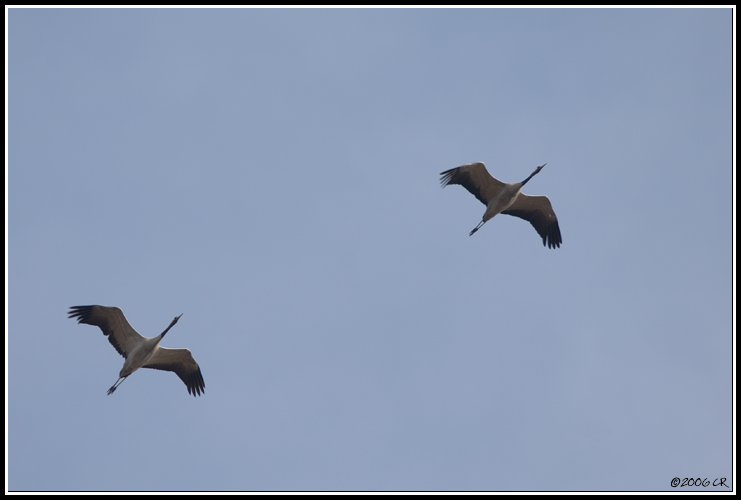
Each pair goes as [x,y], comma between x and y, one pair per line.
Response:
[533,174]
[172,323]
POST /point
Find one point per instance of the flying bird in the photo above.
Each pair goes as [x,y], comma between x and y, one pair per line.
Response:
[506,198]
[140,351]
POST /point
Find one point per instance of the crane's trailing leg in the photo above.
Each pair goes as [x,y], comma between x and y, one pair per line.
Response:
[476,228]
[115,386]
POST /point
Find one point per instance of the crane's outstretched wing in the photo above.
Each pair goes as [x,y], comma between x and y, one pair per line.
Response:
[112,322]
[182,362]
[537,210]
[475,178]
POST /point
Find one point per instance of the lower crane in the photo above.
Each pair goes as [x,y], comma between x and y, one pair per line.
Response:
[141,351]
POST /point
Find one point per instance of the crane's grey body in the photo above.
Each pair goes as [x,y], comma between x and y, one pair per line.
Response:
[139,351]
[506,197]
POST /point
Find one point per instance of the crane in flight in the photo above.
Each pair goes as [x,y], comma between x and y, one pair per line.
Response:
[140,351]
[506,198]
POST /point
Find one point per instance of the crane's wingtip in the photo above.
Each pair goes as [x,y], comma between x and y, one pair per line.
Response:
[551,243]
[446,177]
[80,313]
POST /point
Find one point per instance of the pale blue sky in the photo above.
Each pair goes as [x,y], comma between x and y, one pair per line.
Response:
[274,176]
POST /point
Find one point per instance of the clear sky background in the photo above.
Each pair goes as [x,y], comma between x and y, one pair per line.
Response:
[274,176]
